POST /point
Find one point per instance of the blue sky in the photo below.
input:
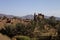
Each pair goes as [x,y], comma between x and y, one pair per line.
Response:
[26,7]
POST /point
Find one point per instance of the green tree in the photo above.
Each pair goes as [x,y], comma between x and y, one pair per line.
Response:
[52,21]
[24,30]
[20,29]
[8,30]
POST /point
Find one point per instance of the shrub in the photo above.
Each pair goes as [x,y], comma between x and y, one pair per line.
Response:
[23,38]
[8,30]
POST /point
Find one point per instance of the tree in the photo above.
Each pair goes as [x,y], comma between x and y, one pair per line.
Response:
[27,30]
[20,28]
[8,30]
[52,21]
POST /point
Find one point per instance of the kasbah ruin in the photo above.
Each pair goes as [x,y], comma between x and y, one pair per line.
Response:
[4,21]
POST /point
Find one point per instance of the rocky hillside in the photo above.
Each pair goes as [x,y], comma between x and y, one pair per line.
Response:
[40,28]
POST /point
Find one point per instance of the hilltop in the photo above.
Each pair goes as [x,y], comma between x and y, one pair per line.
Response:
[41,25]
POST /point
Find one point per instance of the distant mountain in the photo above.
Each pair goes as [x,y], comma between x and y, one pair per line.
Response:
[28,17]
[8,16]
[24,17]
[57,18]
[32,17]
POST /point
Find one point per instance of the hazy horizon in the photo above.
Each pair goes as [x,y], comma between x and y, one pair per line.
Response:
[27,7]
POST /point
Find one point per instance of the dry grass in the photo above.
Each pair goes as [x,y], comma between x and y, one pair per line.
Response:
[4,37]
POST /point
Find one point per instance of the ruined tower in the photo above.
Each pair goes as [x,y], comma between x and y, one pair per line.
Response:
[41,16]
[38,17]
[35,17]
